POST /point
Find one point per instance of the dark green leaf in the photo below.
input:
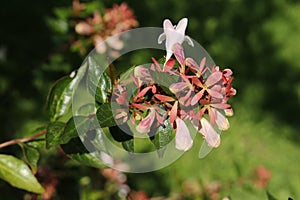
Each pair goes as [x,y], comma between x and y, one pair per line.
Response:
[105,116]
[54,130]
[18,174]
[120,133]
[128,145]
[30,156]
[74,146]
[77,151]
[162,137]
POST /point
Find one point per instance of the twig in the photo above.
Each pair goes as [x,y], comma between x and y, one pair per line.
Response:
[16,141]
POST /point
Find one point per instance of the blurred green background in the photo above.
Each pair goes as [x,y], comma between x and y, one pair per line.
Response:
[258,40]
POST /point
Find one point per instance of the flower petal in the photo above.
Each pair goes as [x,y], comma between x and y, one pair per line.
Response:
[173,113]
[183,138]
[164,98]
[161,38]
[177,87]
[215,93]
[181,26]
[222,121]
[146,123]
[178,52]
[213,78]
[197,97]
[210,135]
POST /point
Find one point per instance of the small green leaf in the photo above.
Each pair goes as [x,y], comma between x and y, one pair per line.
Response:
[162,137]
[30,156]
[105,116]
[128,145]
[54,130]
[18,174]
[104,89]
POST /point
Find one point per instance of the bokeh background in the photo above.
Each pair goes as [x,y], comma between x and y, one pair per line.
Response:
[259,40]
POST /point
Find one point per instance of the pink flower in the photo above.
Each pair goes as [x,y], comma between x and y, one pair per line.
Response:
[174,34]
[146,123]
[209,133]
[183,138]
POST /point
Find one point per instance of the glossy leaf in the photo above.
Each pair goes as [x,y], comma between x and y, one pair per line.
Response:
[60,95]
[105,116]
[98,81]
[18,174]
[54,130]
[162,137]
[30,156]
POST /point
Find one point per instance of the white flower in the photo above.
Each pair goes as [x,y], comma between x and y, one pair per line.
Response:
[174,34]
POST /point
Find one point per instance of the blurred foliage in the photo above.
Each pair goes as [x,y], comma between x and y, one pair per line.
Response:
[259,40]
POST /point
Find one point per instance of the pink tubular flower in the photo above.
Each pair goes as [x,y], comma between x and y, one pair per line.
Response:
[183,138]
[209,133]
[146,123]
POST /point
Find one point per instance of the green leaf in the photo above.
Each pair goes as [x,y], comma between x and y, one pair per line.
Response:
[60,96]
[99,82]
[54,130]
[61,133]
[105,116]
[88,159]
[128,145]
[104,89]
[58,102]
[162,137]
[18,174]
[78,152]
[70,131]
[30,156]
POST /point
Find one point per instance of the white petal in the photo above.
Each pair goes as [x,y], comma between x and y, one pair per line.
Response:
[161,38]
[222,121]
[210,135]
[168,24]
[181,26]
[183,138]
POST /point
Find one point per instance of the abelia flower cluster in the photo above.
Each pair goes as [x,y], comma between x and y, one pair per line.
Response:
[113,21]
[200,94]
